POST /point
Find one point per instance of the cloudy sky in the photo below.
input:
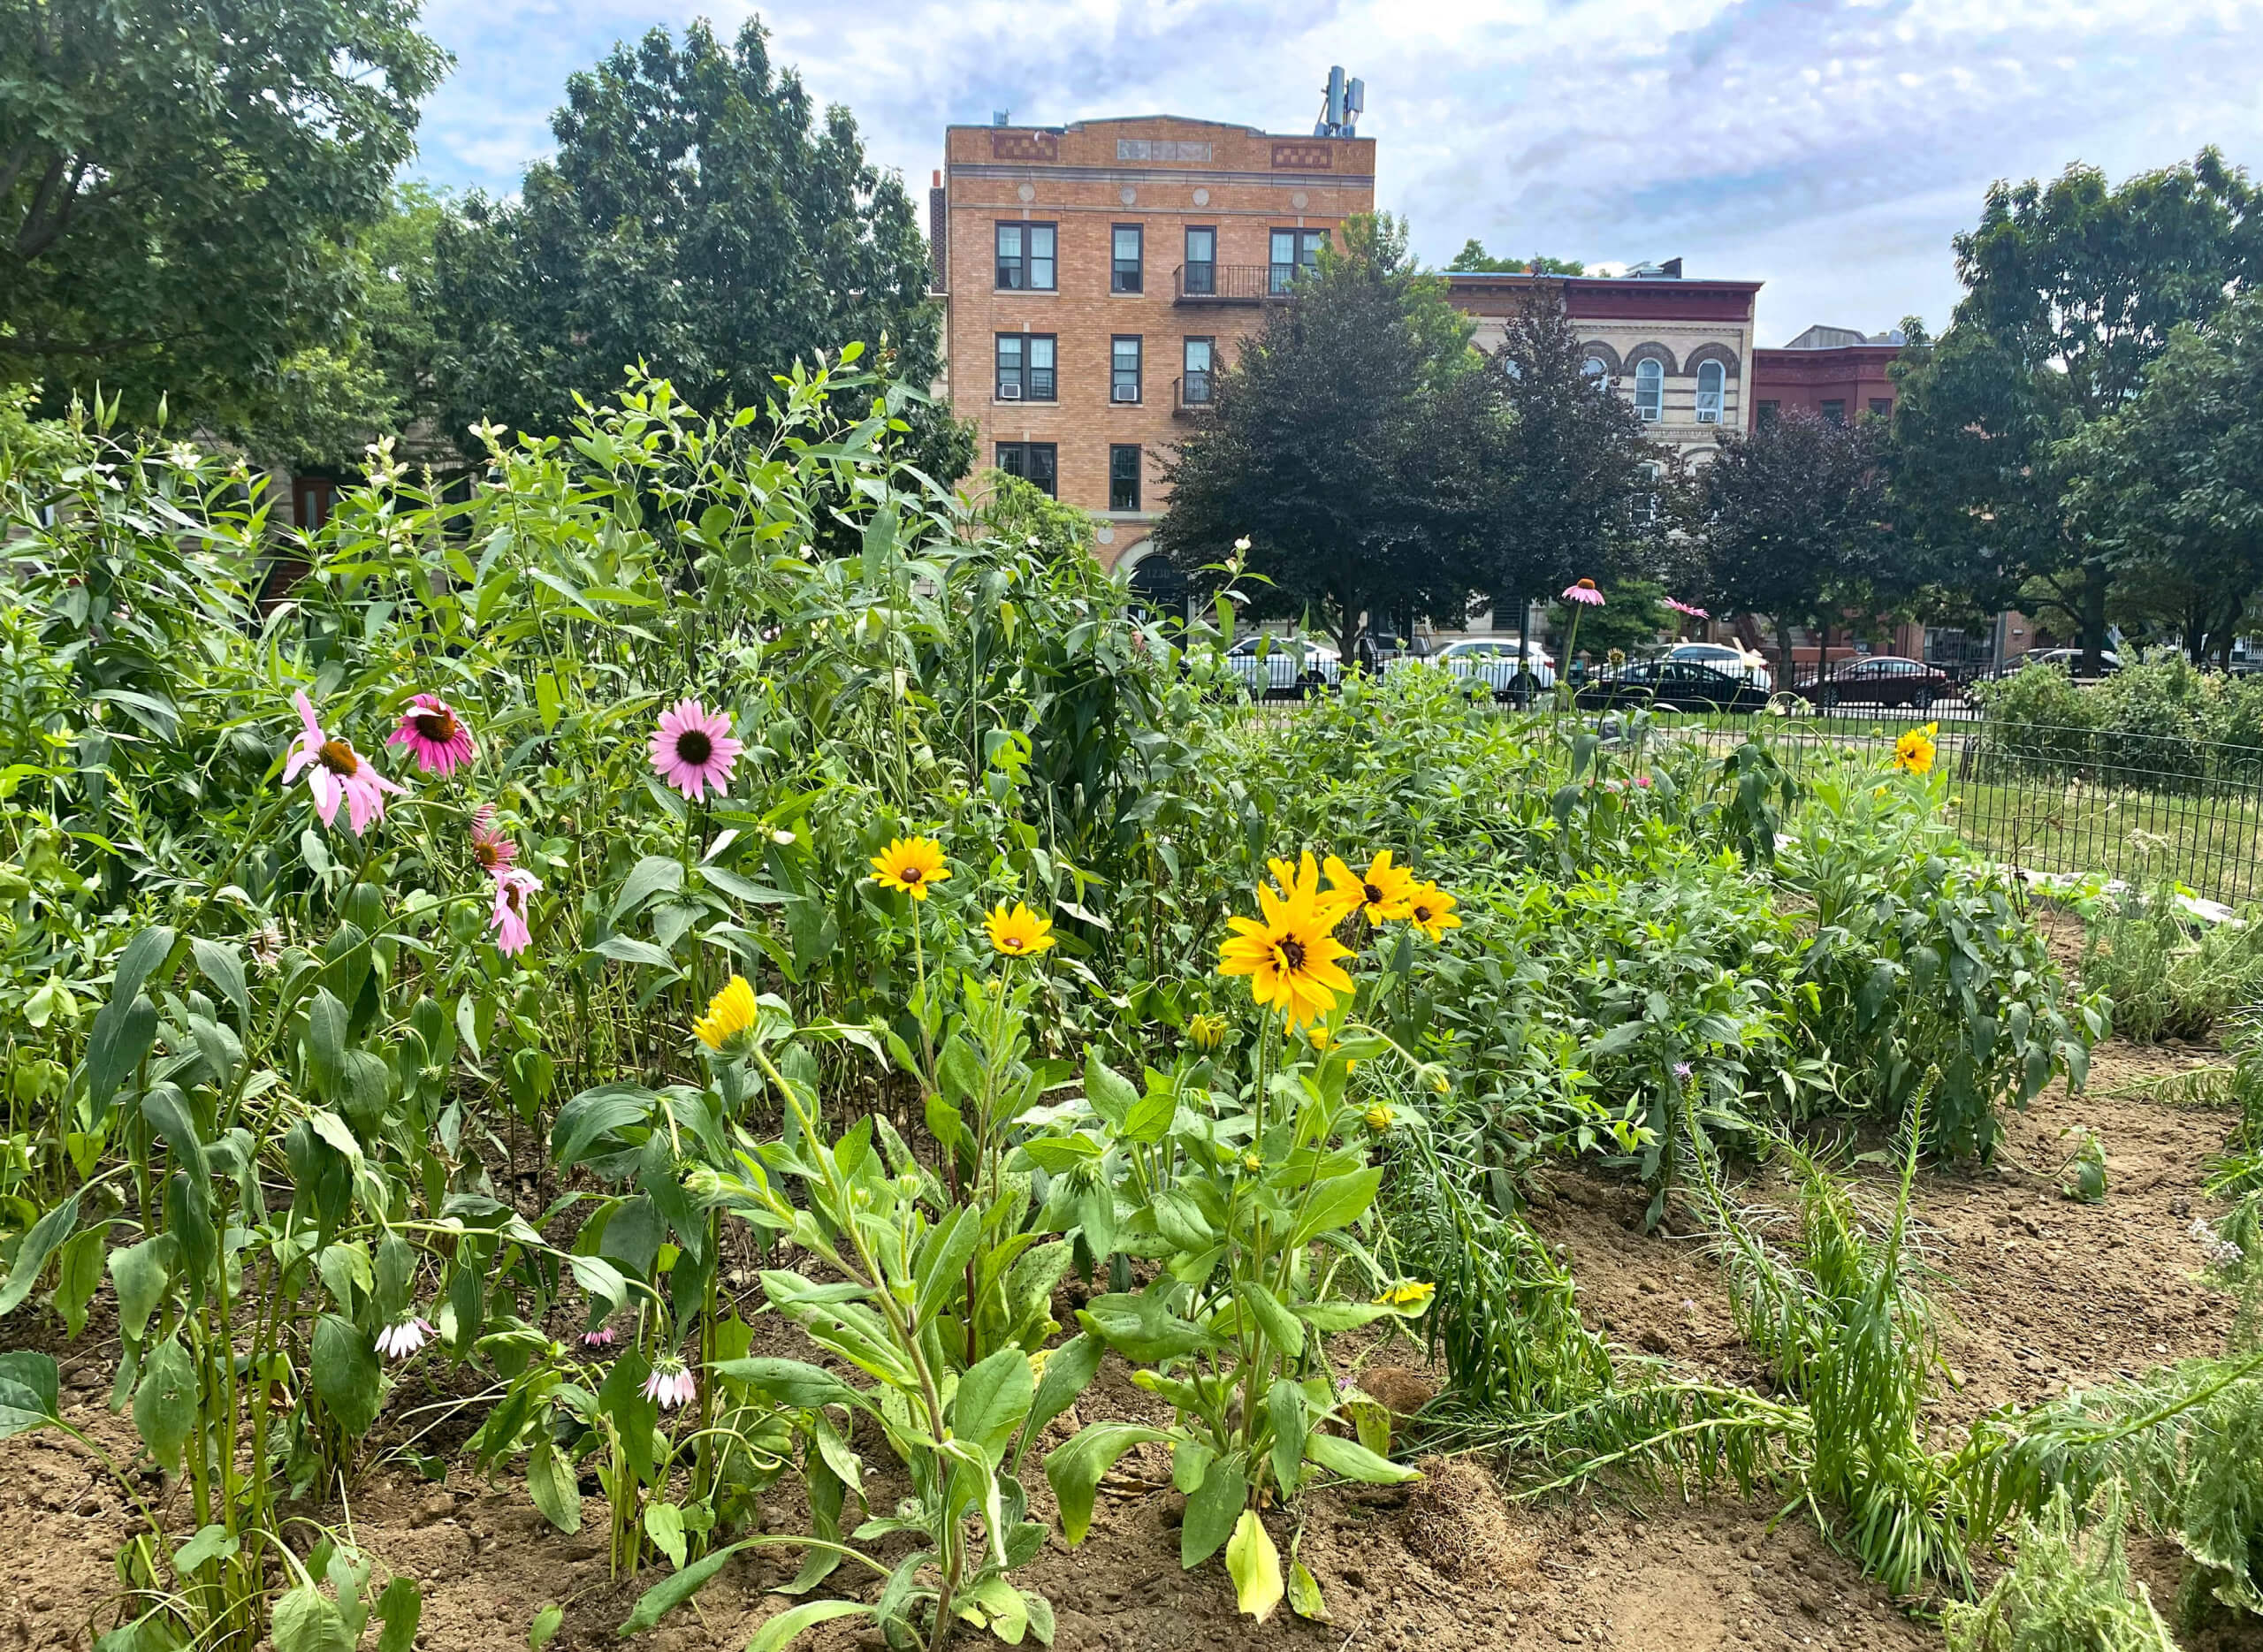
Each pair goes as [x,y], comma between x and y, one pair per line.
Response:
[1829,147]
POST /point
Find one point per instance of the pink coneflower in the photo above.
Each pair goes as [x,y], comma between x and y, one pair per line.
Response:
[489,848]
[335,770]
[512,885]
[1642,781]
[434,734]
[1583,591]
[1690,609]
[692,749]
[670,1385]
[601,1338]
[399,1341]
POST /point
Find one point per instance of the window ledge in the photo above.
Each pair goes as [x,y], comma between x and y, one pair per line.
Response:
[1025,292]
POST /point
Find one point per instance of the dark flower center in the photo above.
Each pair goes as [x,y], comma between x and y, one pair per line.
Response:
[1290,952]
[1422,914]
[695,746]
[910,874]
[1373,895]
[439,726]
[338,758]
[1012,943]
[490,855]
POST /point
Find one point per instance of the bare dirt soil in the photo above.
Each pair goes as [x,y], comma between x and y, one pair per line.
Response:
[2041,1293]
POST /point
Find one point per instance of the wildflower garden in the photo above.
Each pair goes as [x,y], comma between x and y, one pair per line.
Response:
[702,1041]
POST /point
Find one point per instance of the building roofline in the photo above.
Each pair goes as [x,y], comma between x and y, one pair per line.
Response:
[1122,120]
[1662,284]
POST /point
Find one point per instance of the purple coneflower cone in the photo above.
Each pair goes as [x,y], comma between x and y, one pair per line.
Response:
[1583,591]
[508,919]
[489,848]
[692,749]
[336,772]
[434,734]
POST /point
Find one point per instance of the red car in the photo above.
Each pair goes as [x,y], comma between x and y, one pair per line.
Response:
[1882,679]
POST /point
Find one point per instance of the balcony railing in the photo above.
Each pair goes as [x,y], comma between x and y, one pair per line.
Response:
[1232,284]
[1194,392]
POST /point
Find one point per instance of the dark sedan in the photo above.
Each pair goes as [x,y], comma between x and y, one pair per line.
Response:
[1884,680]
[1683,684]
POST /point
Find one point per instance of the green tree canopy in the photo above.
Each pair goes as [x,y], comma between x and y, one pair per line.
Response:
[1474,259]
[2171,485]
[1349,443]
[699,218]
[2071,291]
[179,184]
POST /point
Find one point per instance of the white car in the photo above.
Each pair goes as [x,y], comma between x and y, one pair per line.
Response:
[1276,666]
[1492,662]
[1728,659]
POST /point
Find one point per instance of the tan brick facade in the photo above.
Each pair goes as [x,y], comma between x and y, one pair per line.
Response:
[1163,176]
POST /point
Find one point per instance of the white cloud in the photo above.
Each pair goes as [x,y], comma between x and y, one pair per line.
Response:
[1828,147]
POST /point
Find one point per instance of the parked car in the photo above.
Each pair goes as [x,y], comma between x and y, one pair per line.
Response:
[1882,679]
[2067,660]
[1683,685]
[1280,667]
[1727,657]
[1493,662]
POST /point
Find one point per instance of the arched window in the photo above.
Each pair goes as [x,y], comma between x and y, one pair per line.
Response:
[1649,390]
[1597,370]
[1710,377]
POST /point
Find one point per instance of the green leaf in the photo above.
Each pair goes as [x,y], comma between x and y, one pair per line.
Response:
[648,878]
[595,1113]
[78,1273]
[401,1608]
[993,1399]
[47,1234]
[1069,1371]
[1336,1203]
[307,1620]
[1304,1594]
[1328,1318]
[1254,1564]
[344,1373]
[1148,1120]
[664,1525]
[1292,1421]
[627,949]
[1074,1468]
[1354,1461]
[790,1382]
[546,1624]
[30,1392]
[224,967]
[1281,1328]
[164,1405]
[211,1542]
[121,1036]
[550,1482]
[1141,1328]
[1212,1512]
[327,1024]
[670,1592]
[1111,1094]
[780,1631]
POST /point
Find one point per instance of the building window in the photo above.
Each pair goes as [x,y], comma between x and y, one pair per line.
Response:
[1835,411]
[1026,367]
[1037,463]
[1294,250]
[311,498]
[1199,278]
[1123,478]
[1649,390]
[1026,258]
[1194,388]
[1646,503]
[1710,377]
[1123,369]
[1881,407]
[1596,371]
[1124,272]
[1767,413]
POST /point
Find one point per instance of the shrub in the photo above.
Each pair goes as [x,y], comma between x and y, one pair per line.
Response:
[2069,1590]
[2169,973]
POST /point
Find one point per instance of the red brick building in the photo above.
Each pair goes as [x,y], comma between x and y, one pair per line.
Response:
[1095,275]
[1832,372]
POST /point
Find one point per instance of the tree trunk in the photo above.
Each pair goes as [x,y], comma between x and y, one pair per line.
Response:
[2094,582]
[1791,676]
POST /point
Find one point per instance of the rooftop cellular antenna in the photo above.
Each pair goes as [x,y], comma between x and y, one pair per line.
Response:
[1341,105]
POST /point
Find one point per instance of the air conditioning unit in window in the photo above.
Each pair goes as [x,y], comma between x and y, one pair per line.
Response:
[1009,392]
[1127,392]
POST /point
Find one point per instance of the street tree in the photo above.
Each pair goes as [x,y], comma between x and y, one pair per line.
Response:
[1793,522]
[700,217]
[1349,441]
[182,181]
[1474,259]
[2072,289]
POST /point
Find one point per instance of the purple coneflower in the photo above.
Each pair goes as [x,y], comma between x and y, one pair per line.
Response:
[692,749]
[1681,1069]
[399,1340]
[512,885]
[1583,591]
[601,1338]
[1691,609]
[335,771]
[669,1386]
[434,734]
[489,848]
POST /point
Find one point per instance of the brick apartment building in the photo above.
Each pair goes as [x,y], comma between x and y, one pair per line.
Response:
[1833,372]
[1094,278]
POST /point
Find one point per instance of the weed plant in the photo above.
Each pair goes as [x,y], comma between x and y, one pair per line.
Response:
[2169,973]
[2069,1588]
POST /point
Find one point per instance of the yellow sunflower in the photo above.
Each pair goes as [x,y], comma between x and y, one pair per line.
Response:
[1302,882]
[1381,890]
[1207,1032]
[1377,1118]
[1430,909]
[1290,955]
[1913,753]
[1408,1295]
[1018,933]
[913,864]
[729,1013]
